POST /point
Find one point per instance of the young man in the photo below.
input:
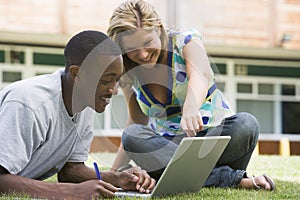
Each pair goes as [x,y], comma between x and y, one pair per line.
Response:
[46,126]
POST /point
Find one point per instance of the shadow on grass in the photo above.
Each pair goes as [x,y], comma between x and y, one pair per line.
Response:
[284,190]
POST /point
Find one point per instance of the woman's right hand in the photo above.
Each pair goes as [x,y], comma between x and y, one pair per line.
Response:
[191,121]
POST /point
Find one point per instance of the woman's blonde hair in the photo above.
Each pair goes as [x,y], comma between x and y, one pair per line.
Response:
[130,16]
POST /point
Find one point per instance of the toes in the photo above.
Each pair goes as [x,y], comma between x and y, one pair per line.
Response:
[264,182]
[270,181]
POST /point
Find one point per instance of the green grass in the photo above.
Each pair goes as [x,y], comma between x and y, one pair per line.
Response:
[284,170]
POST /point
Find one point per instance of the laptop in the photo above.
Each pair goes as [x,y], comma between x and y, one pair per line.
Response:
[189,167]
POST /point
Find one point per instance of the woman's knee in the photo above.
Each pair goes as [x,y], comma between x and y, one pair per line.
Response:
[248,125]
[248,121]
[135,135]
[129,135]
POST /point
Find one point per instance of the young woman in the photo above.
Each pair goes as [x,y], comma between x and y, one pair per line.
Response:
[170,92]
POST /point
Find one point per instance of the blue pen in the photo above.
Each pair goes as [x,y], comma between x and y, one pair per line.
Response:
[97,171]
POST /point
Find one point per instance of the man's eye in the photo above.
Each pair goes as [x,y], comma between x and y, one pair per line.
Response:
[104,82]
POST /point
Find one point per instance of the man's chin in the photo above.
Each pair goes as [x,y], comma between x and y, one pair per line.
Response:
[100,106]
[100,109]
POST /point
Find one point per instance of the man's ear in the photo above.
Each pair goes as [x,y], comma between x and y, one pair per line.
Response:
[74,69]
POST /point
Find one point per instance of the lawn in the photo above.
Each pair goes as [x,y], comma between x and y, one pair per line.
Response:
[284,170]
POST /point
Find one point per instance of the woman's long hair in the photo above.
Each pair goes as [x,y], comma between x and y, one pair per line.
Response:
[130,16]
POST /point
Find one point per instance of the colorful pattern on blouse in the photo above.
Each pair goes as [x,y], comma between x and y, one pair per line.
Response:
[165,119]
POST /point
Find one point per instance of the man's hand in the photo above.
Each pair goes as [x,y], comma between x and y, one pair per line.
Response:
[93,189]
[136,179]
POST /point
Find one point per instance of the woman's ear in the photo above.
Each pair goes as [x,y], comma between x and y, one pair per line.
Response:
[158,30]
[73,69]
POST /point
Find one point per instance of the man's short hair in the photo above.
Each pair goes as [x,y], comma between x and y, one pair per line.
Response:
[80,45]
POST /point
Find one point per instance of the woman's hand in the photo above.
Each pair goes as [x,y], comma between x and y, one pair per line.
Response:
[198,71]
[191,121]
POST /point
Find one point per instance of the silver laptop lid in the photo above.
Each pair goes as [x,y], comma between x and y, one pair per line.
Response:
[190,165]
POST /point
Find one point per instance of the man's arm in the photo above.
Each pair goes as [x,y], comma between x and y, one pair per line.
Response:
[74,172]
[13,184]
[131,179]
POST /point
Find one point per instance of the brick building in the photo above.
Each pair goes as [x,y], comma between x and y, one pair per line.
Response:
[254,45]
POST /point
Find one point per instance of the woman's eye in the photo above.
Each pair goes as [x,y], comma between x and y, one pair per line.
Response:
[128,49]
[148,43]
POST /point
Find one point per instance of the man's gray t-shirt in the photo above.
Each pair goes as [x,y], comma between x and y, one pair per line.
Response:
[37,135]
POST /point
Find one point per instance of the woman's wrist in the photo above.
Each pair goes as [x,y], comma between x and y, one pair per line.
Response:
[113,169]
[124,167]
[120,169]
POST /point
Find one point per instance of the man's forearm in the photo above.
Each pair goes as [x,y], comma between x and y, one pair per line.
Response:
[12,184]
[78,172]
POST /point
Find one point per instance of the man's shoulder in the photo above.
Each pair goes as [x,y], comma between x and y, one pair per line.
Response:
[32,91]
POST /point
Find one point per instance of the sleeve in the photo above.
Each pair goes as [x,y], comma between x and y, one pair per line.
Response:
[85,137]
[184,38]
[19,136]
[125,80]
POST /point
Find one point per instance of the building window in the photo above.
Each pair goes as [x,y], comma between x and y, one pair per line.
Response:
[289,90]
[262,110]
[2,55]
[290,117]
[244,88]
[241,70]
[219,68]
[290,72]
[16,57]
[9,77]
[266,89]
[48,59]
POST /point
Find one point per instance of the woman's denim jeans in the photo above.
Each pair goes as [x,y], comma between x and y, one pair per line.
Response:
[152,151]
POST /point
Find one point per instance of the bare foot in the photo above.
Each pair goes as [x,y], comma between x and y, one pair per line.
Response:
[258,182]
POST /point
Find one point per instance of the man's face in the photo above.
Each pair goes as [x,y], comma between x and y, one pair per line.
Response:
[107,84]
[96,82]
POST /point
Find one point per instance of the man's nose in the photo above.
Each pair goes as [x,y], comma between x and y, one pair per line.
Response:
[116,89]
[113,89]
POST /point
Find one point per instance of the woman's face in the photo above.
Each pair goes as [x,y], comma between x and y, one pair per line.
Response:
[142,46]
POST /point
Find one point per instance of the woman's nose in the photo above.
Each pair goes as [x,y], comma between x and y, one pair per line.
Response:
[143,54]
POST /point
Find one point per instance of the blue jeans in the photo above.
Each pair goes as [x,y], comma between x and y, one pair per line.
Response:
[152,152]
